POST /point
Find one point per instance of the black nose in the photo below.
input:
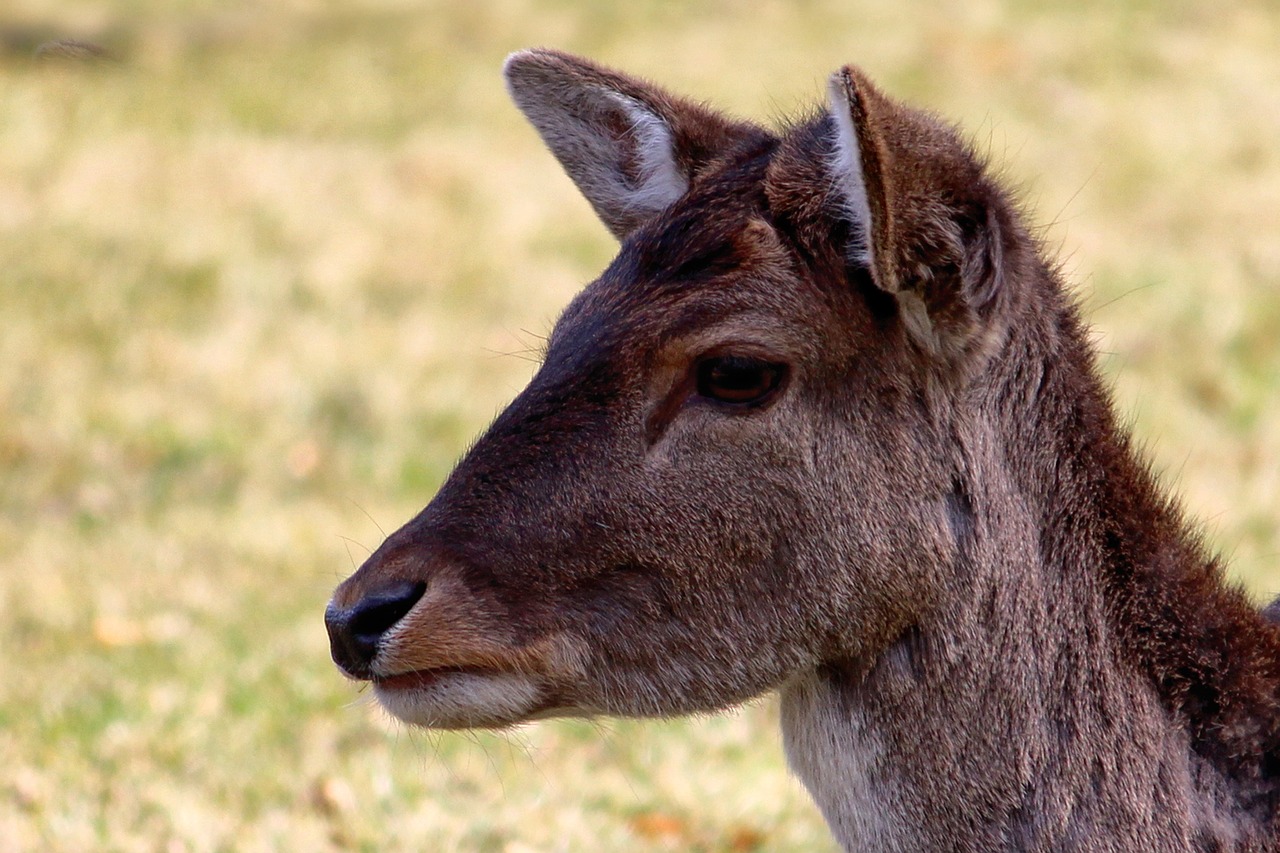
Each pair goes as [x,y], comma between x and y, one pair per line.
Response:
[354,632]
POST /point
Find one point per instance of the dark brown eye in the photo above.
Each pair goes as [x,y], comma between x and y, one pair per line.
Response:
[740,380]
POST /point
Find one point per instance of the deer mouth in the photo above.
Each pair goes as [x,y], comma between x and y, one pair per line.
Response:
[461,697]
[424,678]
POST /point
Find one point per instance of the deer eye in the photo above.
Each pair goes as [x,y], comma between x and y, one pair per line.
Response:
[739,380]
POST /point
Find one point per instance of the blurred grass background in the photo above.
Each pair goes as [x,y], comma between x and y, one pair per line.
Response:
[261,275]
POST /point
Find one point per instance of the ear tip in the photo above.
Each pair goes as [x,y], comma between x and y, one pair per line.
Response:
[517,57]
[520,60]
[842,91]
[850,79]
[531,62]
[838,85]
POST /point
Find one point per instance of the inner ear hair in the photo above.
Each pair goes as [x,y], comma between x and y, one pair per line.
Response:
[923,218]
[631,147]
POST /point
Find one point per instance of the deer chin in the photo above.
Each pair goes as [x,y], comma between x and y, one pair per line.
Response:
[461,697]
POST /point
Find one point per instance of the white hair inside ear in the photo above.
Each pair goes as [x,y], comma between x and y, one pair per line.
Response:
[846,171]
[850,185]
[658,181]
[632,148]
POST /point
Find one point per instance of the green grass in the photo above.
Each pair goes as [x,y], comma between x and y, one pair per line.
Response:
[257,281]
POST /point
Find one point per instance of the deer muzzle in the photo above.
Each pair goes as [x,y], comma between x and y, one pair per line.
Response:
[441,656]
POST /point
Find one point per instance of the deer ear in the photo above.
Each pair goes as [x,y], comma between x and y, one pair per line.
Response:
[631,148]
[924,218]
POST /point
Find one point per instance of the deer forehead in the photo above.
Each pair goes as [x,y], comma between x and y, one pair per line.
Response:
[704,275]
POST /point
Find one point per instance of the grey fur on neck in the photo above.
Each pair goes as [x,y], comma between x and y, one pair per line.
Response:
[992,720]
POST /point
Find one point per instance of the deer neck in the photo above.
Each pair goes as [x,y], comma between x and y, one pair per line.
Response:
[1020,715]
[1001,734]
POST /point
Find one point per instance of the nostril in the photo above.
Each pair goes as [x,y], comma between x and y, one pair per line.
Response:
[354,632]
[375,614]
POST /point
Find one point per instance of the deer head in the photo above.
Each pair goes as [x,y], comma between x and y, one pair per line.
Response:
[737,462]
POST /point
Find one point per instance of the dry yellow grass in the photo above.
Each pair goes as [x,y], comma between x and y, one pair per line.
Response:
[257,276]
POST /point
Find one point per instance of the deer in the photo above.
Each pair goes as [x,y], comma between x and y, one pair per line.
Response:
[830,425]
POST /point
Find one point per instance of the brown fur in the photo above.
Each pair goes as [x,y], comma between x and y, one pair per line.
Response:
[990,627]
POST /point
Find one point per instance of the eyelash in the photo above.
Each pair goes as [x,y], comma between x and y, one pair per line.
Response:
[737,380]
